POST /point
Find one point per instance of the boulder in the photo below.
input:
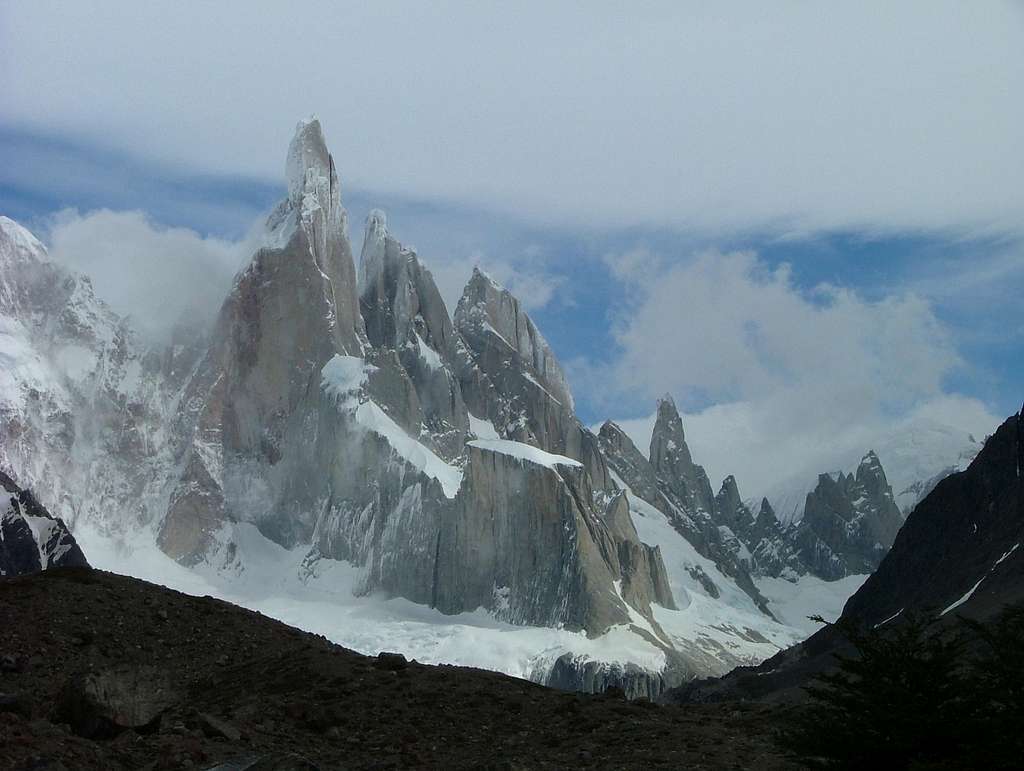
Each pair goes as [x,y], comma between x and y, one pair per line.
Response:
[100,705]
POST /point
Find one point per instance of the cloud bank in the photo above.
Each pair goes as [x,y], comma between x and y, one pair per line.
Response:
[153,274]
[778,381]
[791,116]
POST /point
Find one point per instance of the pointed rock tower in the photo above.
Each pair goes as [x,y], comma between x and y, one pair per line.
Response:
[290,311]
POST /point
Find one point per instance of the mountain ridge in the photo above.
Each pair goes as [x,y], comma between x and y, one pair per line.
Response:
[356,423]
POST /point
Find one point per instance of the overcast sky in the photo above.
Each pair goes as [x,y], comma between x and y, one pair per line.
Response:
[801,219]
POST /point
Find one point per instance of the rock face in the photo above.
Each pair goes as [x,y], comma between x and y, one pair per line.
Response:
[959,553]
[337,417]
[289,312]
[679,488]
[100,705]
[511,377]
[84,409]
[30,538]
[849,522]
[962,548]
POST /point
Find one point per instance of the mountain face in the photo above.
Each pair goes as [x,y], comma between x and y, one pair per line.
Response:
[917,454]
[849,522]
[85,411]
[959,553]
[960,549]
[337,417]
[30,538]
[338,432]
[355,427]
[672,483]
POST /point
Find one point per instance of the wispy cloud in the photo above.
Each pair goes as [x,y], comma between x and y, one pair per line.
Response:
[777,379]
[152,273]
[797,117]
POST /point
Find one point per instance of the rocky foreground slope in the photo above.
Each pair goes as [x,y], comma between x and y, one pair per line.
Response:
[99,671]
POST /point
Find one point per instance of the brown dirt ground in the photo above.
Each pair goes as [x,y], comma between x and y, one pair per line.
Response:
[278,689]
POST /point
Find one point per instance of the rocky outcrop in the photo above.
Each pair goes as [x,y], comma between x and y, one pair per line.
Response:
[849,522]
[551,558]
[101,705]
[679,477]
[628,463]
[679,488]
[347,432]
[510,377]
[30,538]
[568,674]
[961,550]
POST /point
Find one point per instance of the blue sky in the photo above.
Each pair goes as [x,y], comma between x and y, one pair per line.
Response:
[799,223]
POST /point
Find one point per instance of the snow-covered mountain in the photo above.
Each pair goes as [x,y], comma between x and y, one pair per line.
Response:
[341,452]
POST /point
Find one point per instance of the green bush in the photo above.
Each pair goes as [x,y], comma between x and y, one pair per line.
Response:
[917,694]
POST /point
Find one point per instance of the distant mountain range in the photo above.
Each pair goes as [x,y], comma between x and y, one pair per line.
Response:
[959,554]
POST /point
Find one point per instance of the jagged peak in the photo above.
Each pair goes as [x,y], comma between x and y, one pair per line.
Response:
[667,400]
[308,158]
[486,306]
[380,246]
[477,290]
[870,457]
[377,222]
[871,468]
[611,433]
[729,496]
[669,419]
[482,276]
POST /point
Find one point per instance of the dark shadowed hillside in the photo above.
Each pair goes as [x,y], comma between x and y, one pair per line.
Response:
[105,672]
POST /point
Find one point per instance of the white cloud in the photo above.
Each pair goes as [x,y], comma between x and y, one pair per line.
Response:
[797,116]
[779,382]
[155,274]
[152,273]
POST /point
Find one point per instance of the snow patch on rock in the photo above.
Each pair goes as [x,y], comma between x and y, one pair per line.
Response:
[525,452]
